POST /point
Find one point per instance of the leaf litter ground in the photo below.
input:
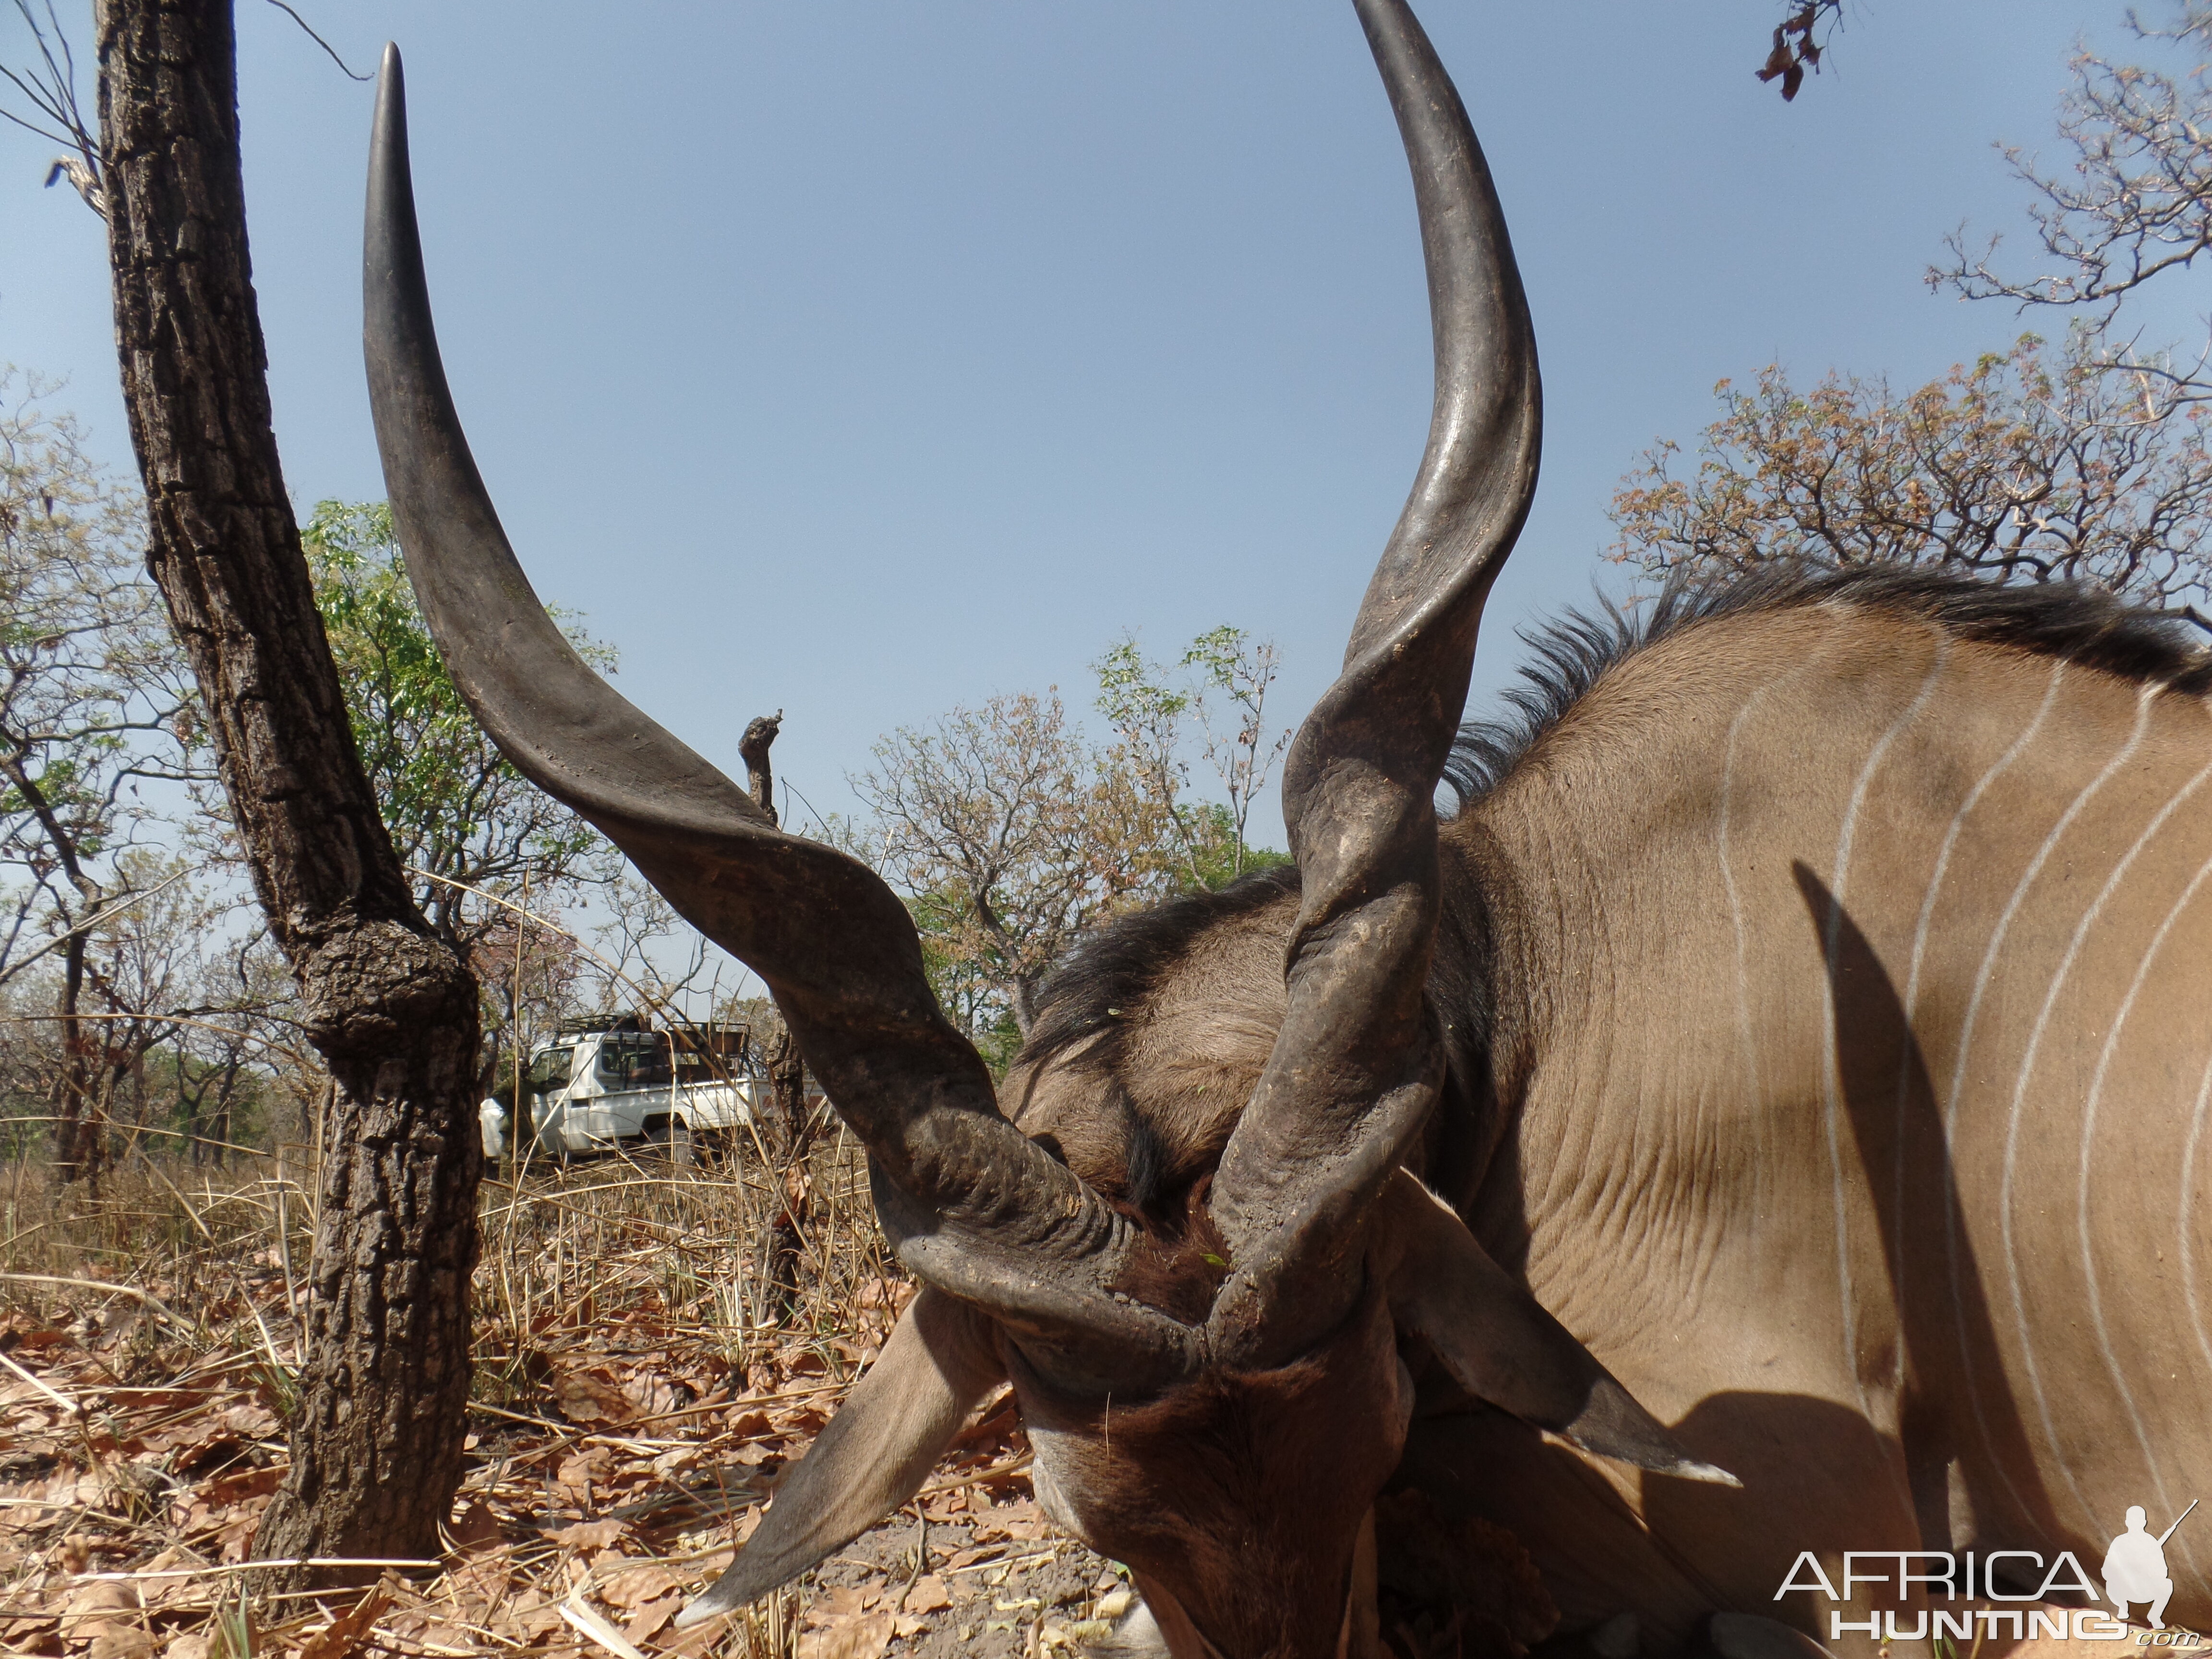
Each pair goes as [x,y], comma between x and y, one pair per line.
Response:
[137,1456]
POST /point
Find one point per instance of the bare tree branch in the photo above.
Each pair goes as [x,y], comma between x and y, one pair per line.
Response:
[2032,465]
[2136,202]
[1011,839]
[318,39]
[50,86]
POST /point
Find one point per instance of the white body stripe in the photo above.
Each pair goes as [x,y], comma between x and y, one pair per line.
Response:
[1830,1078]
[2088,1135]
[2027,1071]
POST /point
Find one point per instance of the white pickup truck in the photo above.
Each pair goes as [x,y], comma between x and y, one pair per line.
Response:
[623,1090]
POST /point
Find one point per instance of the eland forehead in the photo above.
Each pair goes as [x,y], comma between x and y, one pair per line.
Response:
[1150,1039]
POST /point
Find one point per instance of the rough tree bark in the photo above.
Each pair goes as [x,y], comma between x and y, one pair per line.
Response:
[752,748]
[786,1072]
[376,1446]
[77,1142]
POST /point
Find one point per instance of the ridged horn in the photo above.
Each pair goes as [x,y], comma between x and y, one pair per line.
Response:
[971,1205]
[1355,1067]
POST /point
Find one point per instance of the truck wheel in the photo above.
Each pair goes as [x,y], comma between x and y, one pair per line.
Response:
[673,1146]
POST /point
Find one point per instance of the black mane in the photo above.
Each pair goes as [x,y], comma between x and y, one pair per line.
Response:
[2077,623]
[1112,970]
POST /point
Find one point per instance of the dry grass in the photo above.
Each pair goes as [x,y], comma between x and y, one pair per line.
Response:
[639,1382]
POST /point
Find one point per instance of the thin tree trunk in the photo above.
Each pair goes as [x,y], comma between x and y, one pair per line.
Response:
[78,1143]
[786,1078]
[77,1147]
[786,1072]
[376,1446]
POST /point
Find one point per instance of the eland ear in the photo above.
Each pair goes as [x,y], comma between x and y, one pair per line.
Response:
[1501,1345]
[939,1363]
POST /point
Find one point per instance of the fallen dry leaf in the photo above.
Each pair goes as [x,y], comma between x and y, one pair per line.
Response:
[866,1636]
[122,1641]
[95,1606]
[637,1586]
[587,1398]
[536,1622]
[191,1456]
[477,1527]
[579,1472]
[598,1630]
[348,1629]
[244,1484]
[254,1420]
[587,1535]
[646,1622]
[928,1594]
[1021,1520]
[483,1575]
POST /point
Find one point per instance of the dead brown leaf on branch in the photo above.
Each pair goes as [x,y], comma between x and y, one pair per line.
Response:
[639,1391]
[1795,50]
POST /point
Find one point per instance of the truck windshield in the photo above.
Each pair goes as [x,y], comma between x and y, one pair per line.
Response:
[640,1063]
[549,1070]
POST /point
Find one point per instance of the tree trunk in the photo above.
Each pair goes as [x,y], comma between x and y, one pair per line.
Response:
[753,747]
[76,1144]
[376,1446]
[786,1072]
[786,1076]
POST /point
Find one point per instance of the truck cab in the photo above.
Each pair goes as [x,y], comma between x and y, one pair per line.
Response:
[615,1083]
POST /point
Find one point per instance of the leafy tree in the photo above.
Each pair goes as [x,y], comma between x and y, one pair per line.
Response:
[460,816]
[471,830]
[2088,461]
[1149,710]
[1012,837]
[1231,669]
[95,705]
[227,1068]
[2021,466]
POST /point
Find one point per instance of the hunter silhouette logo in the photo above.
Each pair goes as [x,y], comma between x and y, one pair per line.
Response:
[2135,1566]
[2135,1574]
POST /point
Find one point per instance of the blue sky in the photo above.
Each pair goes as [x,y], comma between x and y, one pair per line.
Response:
[865,358]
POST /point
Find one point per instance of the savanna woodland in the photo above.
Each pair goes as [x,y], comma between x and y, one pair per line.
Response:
[307,1344]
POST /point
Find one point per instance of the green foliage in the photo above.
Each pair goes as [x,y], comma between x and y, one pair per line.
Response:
[1135,696]
[455,807]
[1218,856]
[1225,677]
[1012,837]
[969,977]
